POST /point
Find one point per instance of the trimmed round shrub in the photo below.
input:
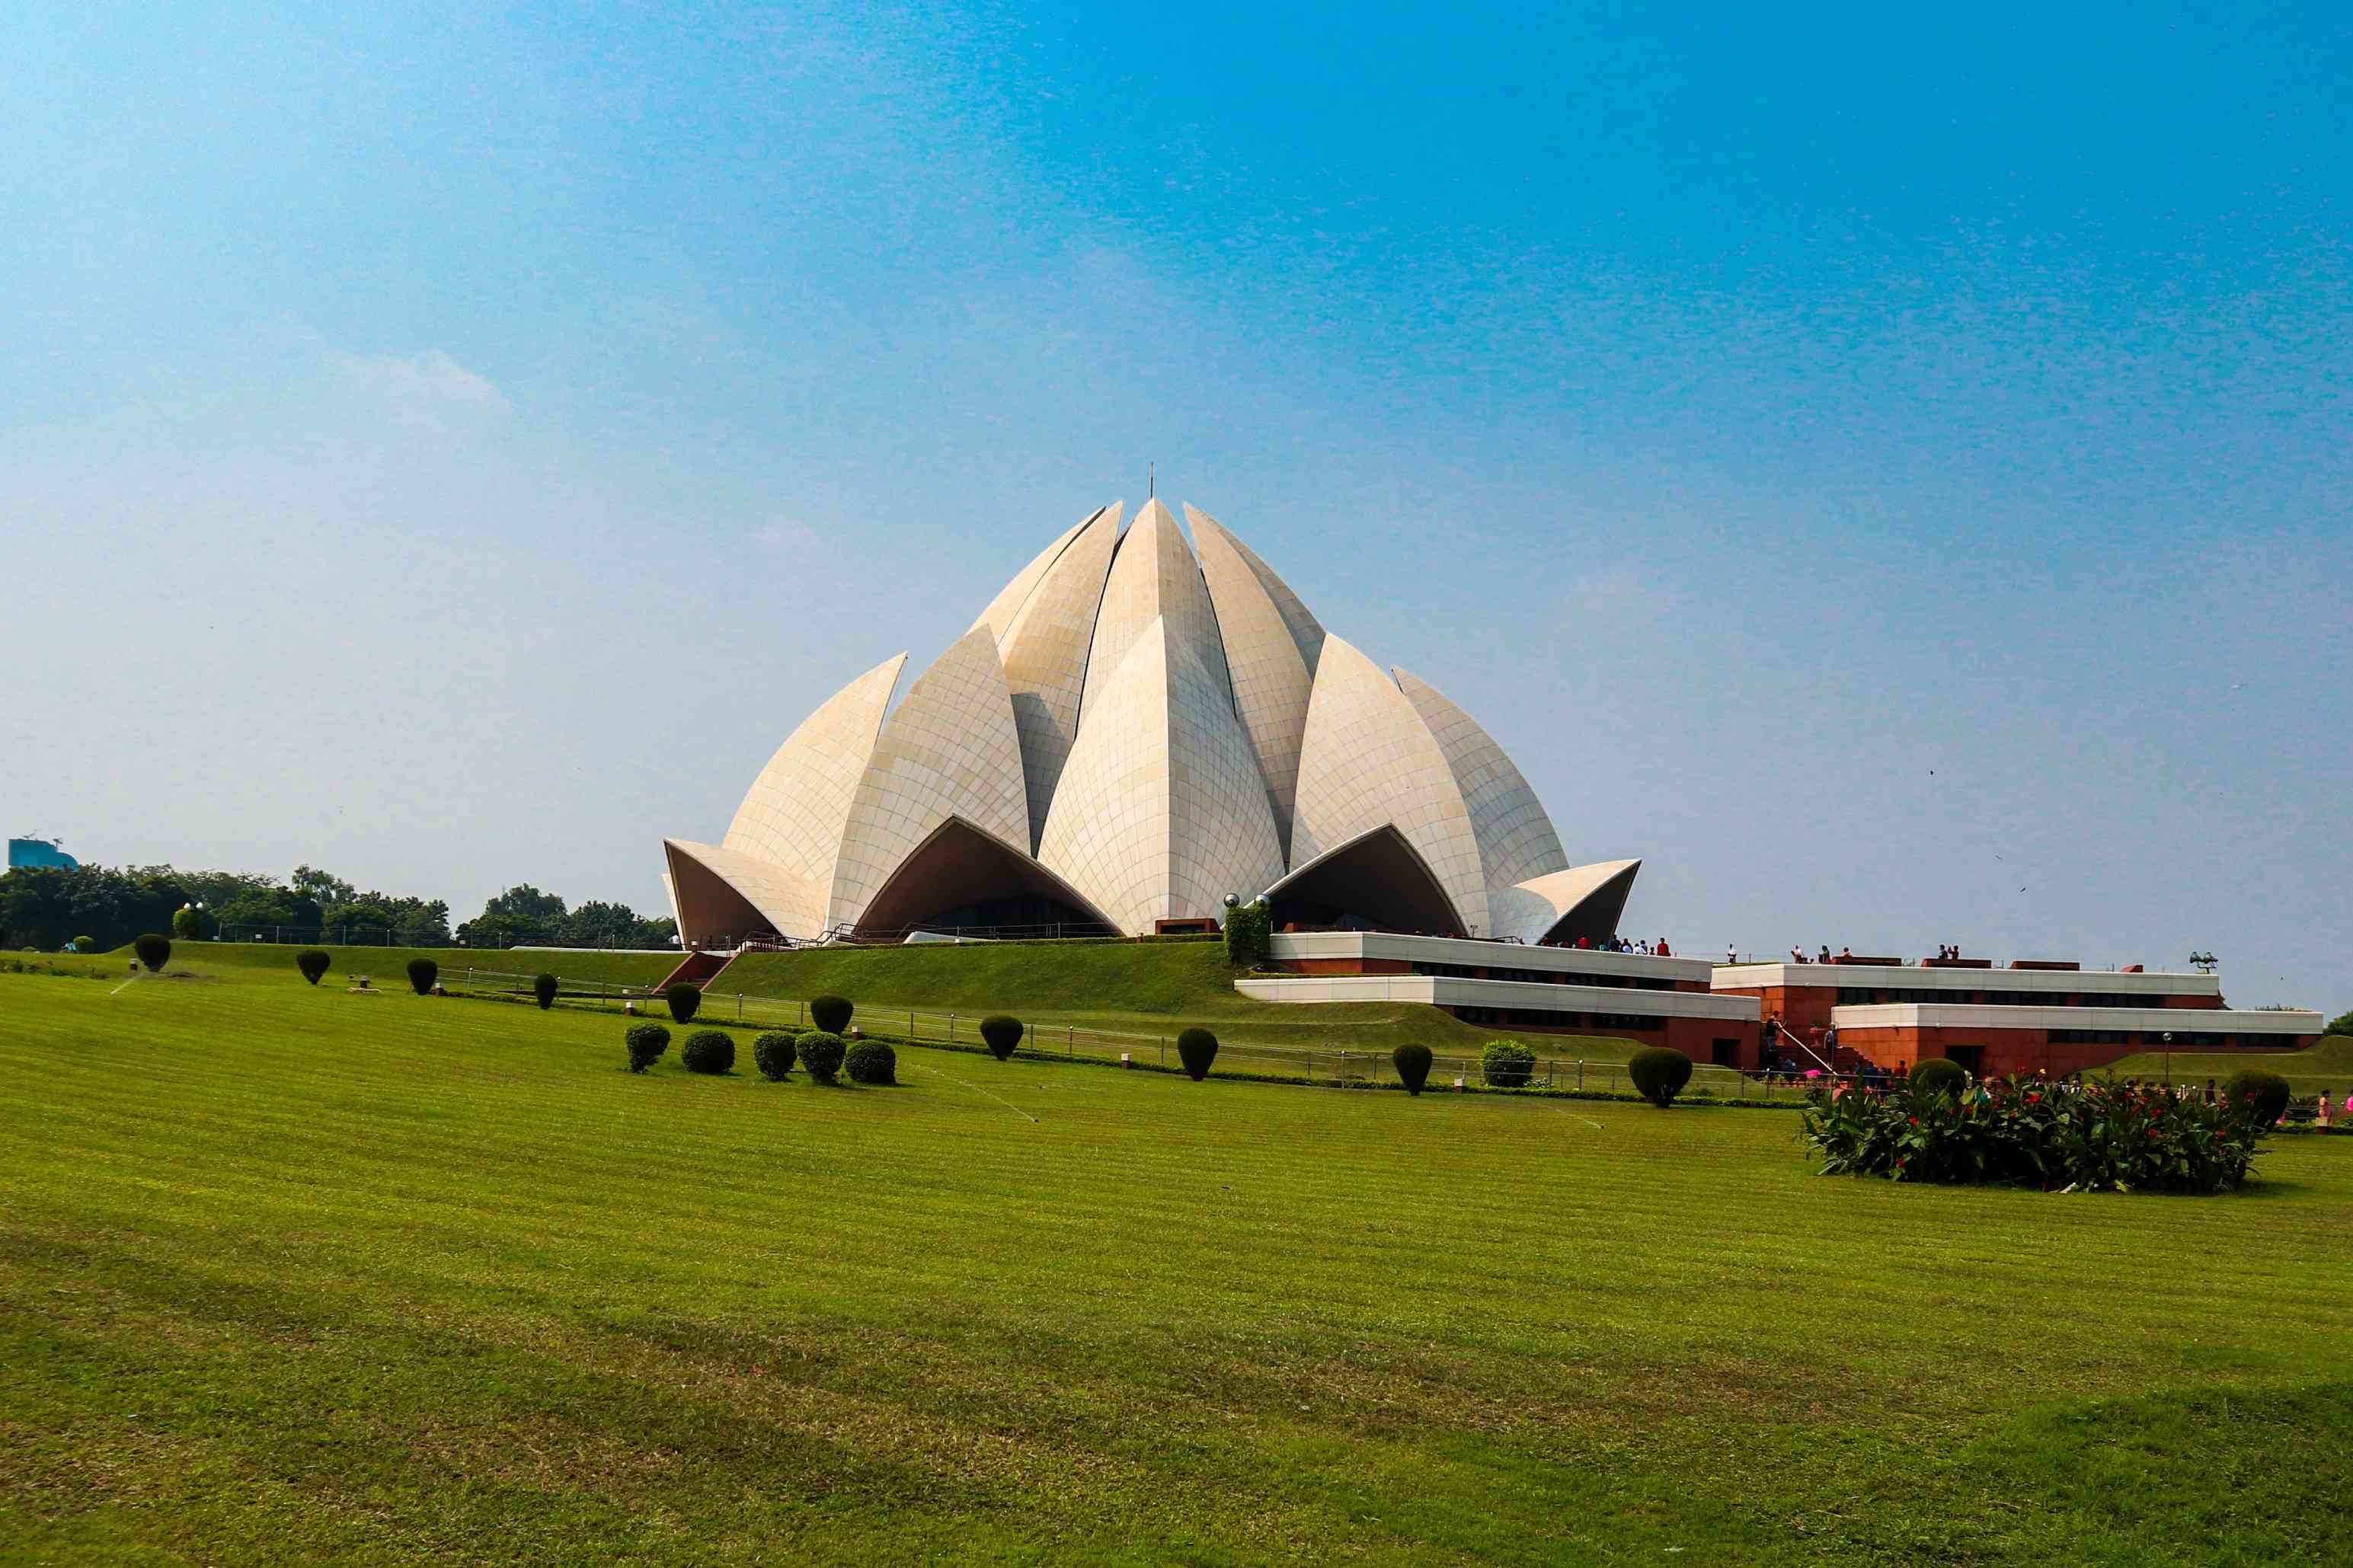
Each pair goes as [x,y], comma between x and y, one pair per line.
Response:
[1196,1048]
[85,944]
[685,1000]
[830,1014]
[422,973]
[2267,1091]
[155,950]
[1001,1032]
[1506,1064]
[771,1053]
[1941,1074]
[312,964]
[871,1061]
[1659,1073]
[821,1052]
[188,921]
[647,1044]
[544,989]
[709,1051]
[1412,1064]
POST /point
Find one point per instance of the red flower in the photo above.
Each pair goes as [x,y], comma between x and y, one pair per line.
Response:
[1916,1121]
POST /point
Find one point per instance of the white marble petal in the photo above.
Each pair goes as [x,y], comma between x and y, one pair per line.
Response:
[1044,651]
[1516,840]
[1162,811]
[1269,653]
[792,817]
[1366,758]
[1008,604]
[1530,910]
[720,896]
[950,750]
[1154,578]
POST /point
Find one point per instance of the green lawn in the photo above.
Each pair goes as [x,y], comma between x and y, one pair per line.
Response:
[292,1276]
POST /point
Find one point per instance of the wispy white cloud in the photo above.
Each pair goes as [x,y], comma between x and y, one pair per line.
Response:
[430,383]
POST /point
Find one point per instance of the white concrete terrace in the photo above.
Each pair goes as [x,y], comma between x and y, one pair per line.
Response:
[2184,1021]
[1298,946]
[1915,977]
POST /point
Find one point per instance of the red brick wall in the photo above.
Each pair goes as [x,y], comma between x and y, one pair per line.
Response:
[2011,1050]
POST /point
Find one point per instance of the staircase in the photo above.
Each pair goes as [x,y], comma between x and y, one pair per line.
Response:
[698,968]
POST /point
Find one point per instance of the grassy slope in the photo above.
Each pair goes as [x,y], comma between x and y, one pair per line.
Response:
[1143,988]
[2328,1063]
[288,1274]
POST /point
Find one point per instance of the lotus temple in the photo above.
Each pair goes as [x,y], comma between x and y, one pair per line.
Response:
[1134,730]
[1139,731]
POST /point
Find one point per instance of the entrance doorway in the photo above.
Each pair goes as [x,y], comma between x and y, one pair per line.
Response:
[1970,1058]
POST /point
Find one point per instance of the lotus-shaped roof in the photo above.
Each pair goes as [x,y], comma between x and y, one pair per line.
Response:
[1130,733]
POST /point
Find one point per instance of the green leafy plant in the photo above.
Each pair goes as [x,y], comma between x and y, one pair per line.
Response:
[708,1051]
[1506,1064]
[871,1062]
[2097,1135]
[821,1052]
[830,1014]
[543,988]
[771,1053]
[313,964]
[85,944]
[155,950]
[1940,1074]
[1248,933]
[1412,1064]
[1001,1032]
[191,923]
[685,1000]
[647,1044]
[2252,1091]
[1198,1049]
[422,973]
[1659,1073]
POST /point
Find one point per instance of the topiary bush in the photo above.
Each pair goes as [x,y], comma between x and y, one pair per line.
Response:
[1248,930]
[1659,1073]
[872,1062]
[1196,1048]
[685,1000]
[188,921]
[422,973]
[1940,1074]
[1412,1064]
[647,1044]
[771,1053]
[85,944]
[1506,1064]
[2254,1093]
[544,989]
[821,1052]
[830,1014]
[1001,1032]
[708,1051]
[312,964]
[155,950]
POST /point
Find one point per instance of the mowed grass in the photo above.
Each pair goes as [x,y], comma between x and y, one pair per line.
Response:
[291,1276]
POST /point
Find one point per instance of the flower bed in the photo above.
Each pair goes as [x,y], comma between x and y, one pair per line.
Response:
[2028,1131]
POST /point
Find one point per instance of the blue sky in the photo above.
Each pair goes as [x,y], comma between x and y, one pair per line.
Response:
[455,448]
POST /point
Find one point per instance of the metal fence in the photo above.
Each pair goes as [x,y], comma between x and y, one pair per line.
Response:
[1328,1064]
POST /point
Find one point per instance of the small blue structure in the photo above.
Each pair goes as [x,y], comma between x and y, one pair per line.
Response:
[38,852]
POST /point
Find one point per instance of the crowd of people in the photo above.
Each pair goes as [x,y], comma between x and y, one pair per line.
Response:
[1614,943]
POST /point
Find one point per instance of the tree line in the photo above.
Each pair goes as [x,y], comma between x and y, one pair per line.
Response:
[49,907]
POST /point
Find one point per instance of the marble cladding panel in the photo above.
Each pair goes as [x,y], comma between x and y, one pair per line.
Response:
[1366,759]
[793,816]
[1516,840]
[951,749]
